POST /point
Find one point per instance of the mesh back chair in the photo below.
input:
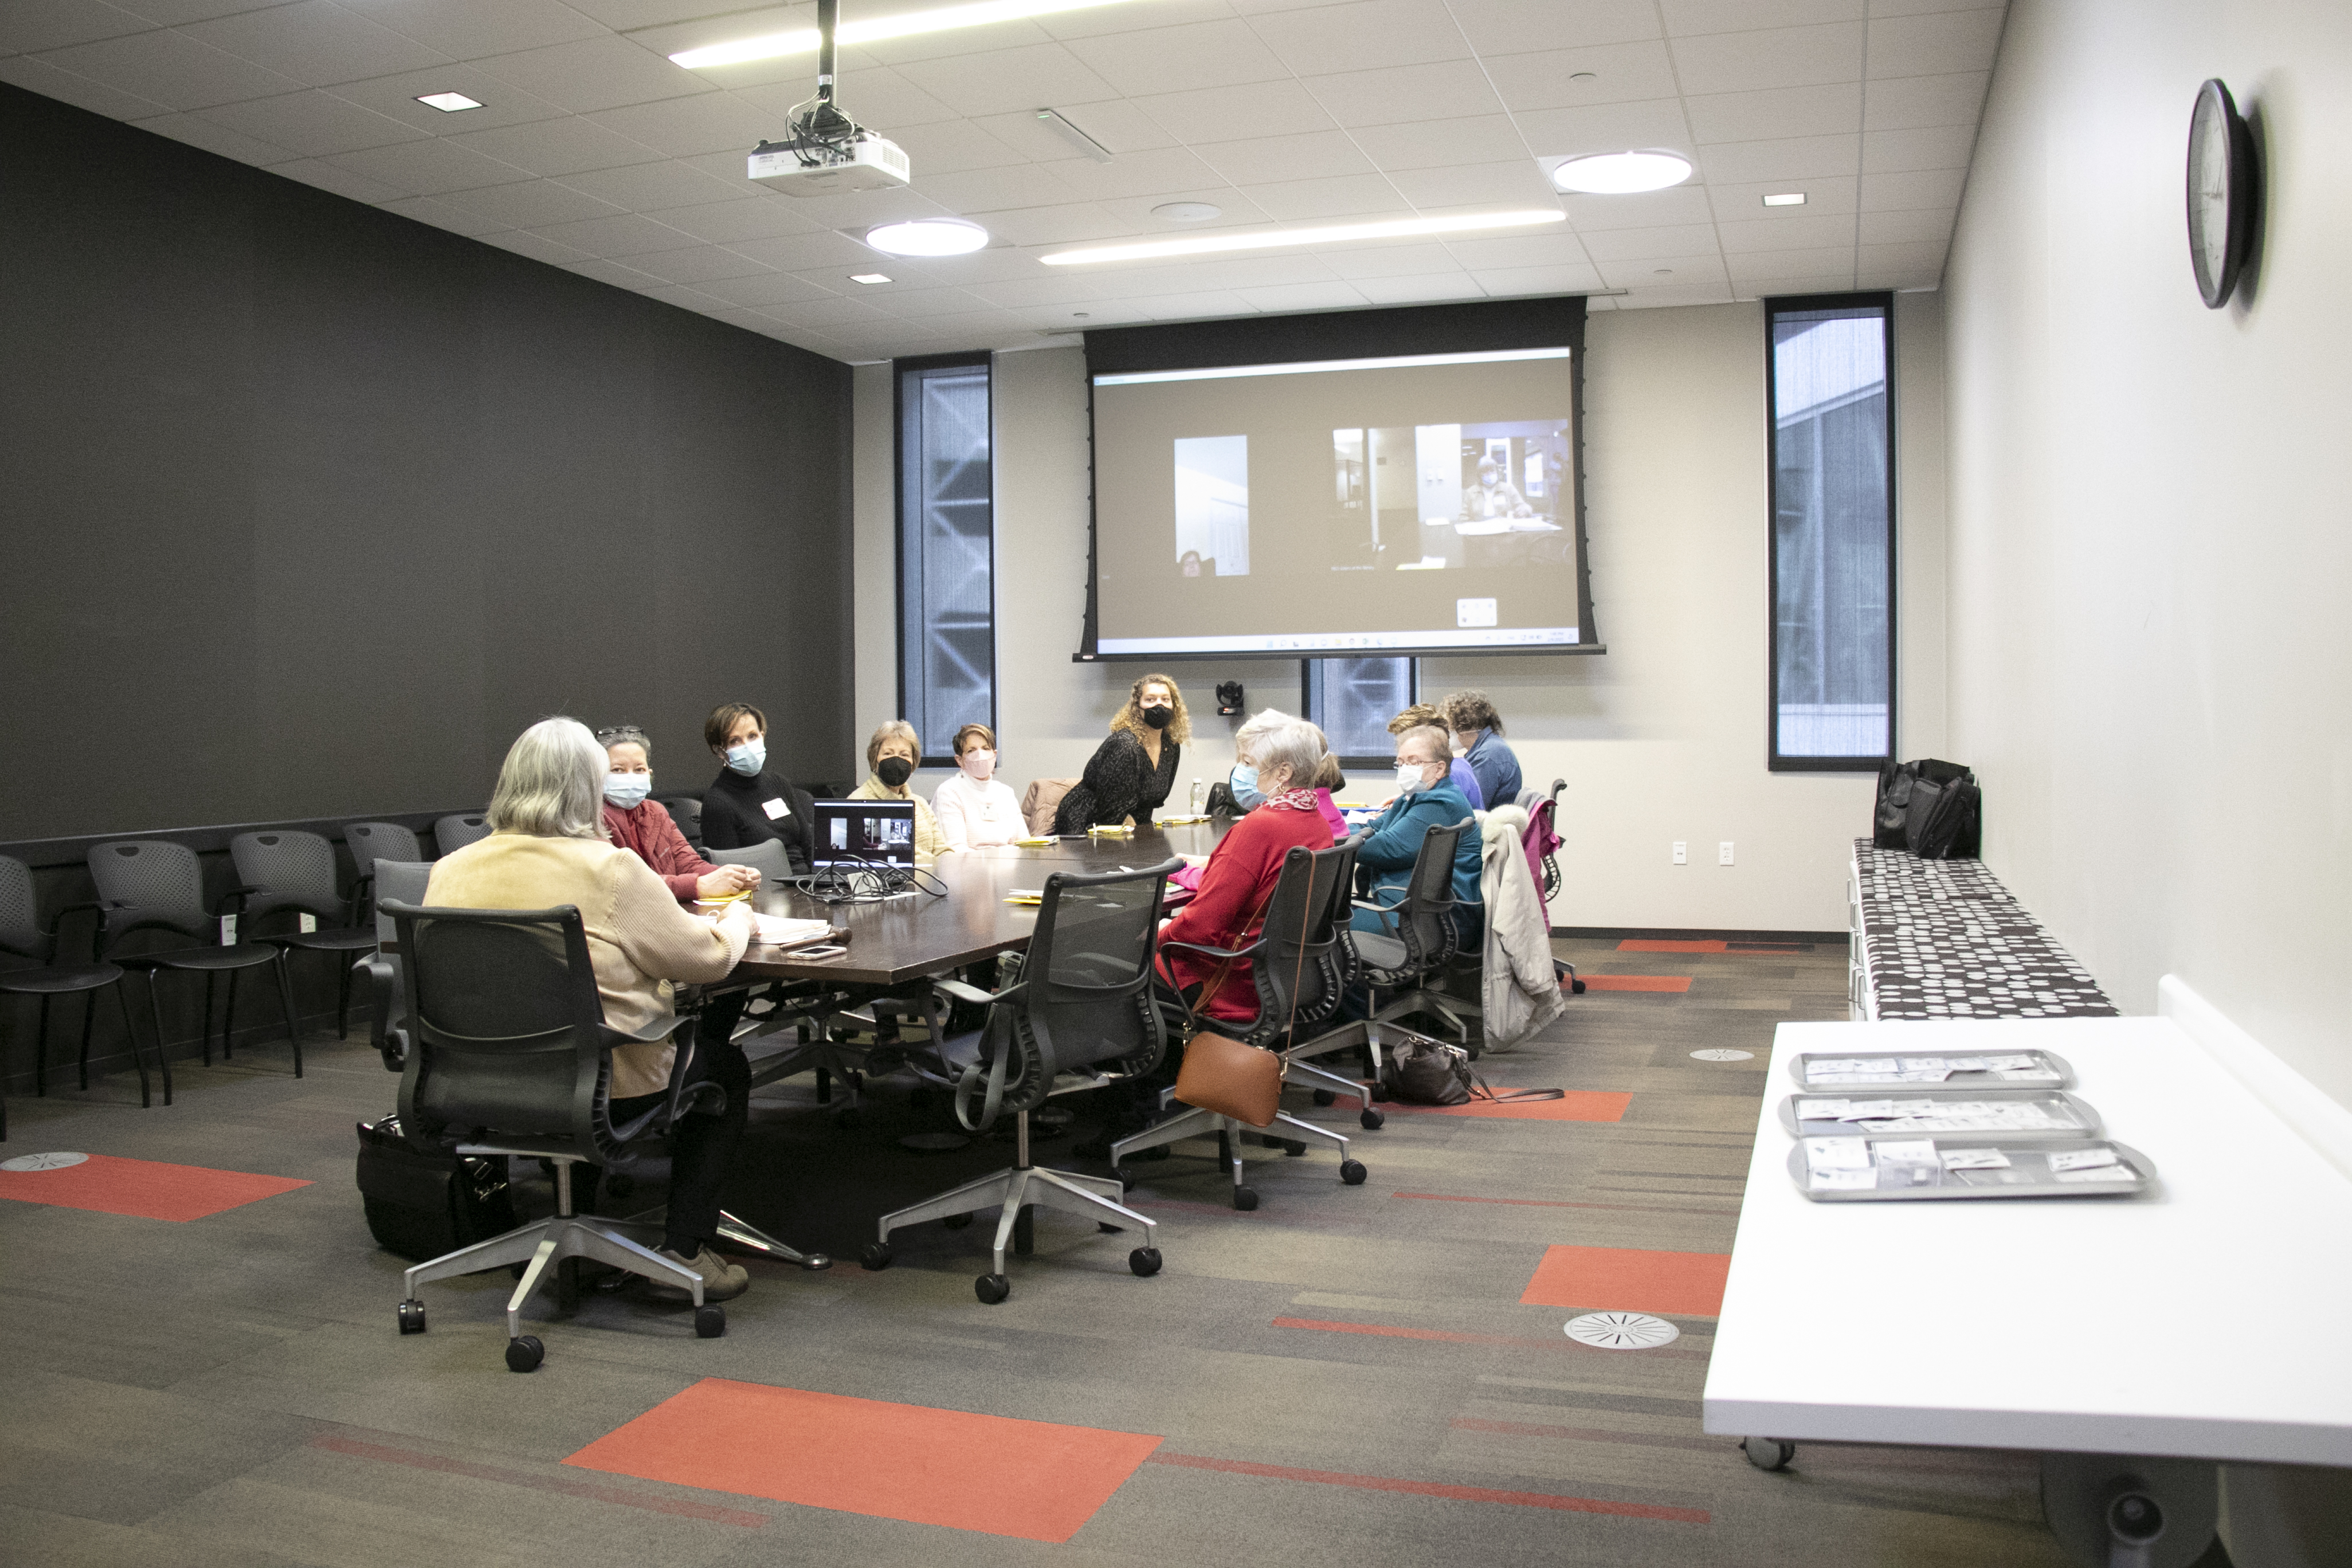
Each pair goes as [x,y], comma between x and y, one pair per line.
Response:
[294,873]
[687,811]
[1408,958]
[22,933]
[1078,1015]
[451,834]
[506,1051]
[1299,964]
[149,885]
[370,842]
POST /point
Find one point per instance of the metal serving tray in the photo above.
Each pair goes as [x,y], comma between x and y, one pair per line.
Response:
[2080,1120]
[1887,1071]
[2028,1174]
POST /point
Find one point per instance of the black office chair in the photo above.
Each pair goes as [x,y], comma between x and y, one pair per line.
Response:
[281,871]
[451,834]
[505,1051]
[370,842]
[687,811]
[22,933]
[769,858]
[1078,1015]
[1409,958]
[147,884]
[1299,964]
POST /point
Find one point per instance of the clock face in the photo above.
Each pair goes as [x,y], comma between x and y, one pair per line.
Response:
[2218,201]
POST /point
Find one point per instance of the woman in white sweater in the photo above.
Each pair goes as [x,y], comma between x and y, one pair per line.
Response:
[972,808]
[547,847]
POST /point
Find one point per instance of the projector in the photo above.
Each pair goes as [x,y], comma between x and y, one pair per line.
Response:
[812,165]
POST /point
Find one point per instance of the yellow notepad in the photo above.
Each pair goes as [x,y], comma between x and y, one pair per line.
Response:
[1035,843]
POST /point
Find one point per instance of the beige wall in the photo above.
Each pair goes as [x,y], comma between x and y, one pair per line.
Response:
[2150,556]
[1662,737]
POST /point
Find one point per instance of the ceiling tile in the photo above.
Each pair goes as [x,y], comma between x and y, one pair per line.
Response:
[1004,80]
[594,73]
[570,145]
[1090,23]
[835,311]
[1549,249]
[625,15]
[1354,196]
[432,168]
[861,210]
[34,74]
[1137,213]
[1924,226]
[1547,79]
[1118,125]
[978,191]
[1661,271]
[1898,152]
[762,216]
[1178,59]
[1480,139]
[1738,203]
[954,146]
[1787,232]
[1404,94]
[1677,239]
[502,103]
[884,100]
[1306,296]
[1318,154]
[170,68]
[1500,26]
[1913,190]
[1877,7]
[1751,266]
[425,209]
[621,234]
[611,272]
[524,243]
[317,42]
[1777,113]
[1065,224]
[1505,281]
[1220,113]
[655,188]
[682,127]
[1363,35]
[1673,294]
[1516,182]
[1934,45]
[1683,204]
[1606,127]
[977,329]
[1904,103]
[798,252]
[1164,174]
[528,204]
[699,264]
[963,271]
[1781,57]
[1390,258]
[1419,289]
[180,12]
[764,288]
[27,25]
[468,29]
[918,303]
[1065,285]
[1688,17]
[1204,305]
[313,124]
[341,182]
[1267,271]
[684,296]
[1784,158]
[220,138]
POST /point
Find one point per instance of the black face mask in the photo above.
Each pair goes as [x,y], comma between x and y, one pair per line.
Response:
[1159,718]
[894,771]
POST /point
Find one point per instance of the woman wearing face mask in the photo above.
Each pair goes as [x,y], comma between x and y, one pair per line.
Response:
[1426,799]
[1463,779]
[1131,773]
[972,808]
[749,804]
[892,754]
[643,827]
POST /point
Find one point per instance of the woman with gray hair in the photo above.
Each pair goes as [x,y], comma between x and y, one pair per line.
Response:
[547,847]
[892,754]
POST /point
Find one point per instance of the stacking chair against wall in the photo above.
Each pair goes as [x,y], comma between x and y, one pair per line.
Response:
[1409,960]
[451,834]
[1078,1016]
[1298,962]
[505,1051]
[148,884]
[370,842]
[22,933]
[687,811]
[295,873]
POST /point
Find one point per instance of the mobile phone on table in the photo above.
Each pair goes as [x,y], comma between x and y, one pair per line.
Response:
[828,950]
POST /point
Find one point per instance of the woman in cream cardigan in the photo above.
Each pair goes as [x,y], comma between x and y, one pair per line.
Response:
[547,847]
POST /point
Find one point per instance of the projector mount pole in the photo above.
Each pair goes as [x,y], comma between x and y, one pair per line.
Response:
[827,124]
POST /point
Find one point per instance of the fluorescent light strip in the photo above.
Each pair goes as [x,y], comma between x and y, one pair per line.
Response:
[1329,234]
[1317,367]
[803,41]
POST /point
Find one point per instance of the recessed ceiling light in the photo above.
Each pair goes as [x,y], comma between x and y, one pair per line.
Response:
[869,277]
[1622,174]
[803,40]
[1662,272]
[1325,234]
[1787,199]
[1054,122]
[928,237]
[447,102]
[1187,212]
[1583,75]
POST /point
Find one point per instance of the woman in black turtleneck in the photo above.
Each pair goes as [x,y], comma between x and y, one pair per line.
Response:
[1130,773]
[749,804]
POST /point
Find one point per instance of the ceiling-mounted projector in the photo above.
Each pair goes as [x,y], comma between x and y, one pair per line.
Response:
[827,152]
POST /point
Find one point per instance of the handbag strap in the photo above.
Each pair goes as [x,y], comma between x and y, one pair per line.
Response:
[1482,1089]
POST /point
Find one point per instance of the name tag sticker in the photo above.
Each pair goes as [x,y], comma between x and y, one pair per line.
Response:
[776,810]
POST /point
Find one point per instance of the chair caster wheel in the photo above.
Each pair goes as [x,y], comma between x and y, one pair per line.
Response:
[1126,1178]
[1293,1150]
[620,1186]
[709,1321]
[955,1221]
[1145,1261]
[992,1288]
[525,1353]
[1768,1453]
[876,1257]
[1576,988]
[412,1316]
[1352,1171]
[1324,1097]
[1379,1093]
[846,1119]
[1107,1229]
[1245,1199]
[1372,1120]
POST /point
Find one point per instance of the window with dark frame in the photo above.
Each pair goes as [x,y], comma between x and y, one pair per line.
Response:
[1353,700]
[947,547]
[1827,380]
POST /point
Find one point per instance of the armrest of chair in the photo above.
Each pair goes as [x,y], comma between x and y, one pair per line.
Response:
[58,924]
[1206,950]
[974,995]
[232,895]
[391,1043]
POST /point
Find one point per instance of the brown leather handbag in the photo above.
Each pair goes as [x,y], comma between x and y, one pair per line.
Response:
[1223,1075]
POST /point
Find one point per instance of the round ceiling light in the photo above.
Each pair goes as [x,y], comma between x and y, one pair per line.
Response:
[1622,174]
[1187,212]
[928,237]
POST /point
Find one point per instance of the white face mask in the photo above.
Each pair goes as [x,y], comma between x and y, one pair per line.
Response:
[627,790]
[1408,777]
[979,765]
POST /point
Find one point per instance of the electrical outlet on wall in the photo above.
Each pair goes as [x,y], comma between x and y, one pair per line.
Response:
[1682,853]
[1723,853]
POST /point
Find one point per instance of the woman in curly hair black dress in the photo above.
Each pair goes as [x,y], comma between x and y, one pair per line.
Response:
[1131,773]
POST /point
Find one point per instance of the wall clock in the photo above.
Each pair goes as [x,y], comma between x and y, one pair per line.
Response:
[2222,180]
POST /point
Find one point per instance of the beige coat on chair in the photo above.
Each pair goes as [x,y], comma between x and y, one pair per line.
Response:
[1520,990]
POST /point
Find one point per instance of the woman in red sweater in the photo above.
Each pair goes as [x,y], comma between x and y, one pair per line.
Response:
[645,829]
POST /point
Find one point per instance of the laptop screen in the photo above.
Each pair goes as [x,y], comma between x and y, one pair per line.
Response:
[853,833]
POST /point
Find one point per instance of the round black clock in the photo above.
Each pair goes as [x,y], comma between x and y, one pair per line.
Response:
[2222,192]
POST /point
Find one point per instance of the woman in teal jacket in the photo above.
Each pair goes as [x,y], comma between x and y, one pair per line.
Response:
[1427,798]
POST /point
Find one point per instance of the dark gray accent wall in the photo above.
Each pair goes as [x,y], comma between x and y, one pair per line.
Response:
[307,510]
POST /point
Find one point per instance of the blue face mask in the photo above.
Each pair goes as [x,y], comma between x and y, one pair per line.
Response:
[627,790]
[749,758]
[1244,783]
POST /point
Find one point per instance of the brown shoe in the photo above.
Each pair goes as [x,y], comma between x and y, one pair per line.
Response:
[722,1280]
